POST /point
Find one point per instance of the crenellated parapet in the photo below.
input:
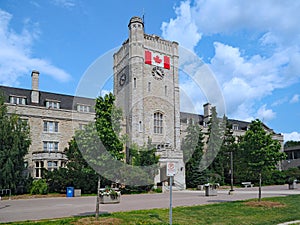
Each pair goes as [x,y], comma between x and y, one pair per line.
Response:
[159,44]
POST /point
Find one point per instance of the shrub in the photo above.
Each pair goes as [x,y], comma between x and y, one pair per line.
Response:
[39,187]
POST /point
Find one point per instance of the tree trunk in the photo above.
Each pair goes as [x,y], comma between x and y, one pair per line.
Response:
[259,188]
[98,198]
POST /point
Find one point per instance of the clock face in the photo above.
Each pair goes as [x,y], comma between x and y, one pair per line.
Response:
[158,73]
[122,79]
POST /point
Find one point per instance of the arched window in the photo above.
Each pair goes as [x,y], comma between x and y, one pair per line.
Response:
[158,123]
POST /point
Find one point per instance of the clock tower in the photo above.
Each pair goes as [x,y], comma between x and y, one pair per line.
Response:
[147,90]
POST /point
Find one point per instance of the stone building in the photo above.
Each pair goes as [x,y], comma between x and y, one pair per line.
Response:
[52,119]
[146,88]
[293,157]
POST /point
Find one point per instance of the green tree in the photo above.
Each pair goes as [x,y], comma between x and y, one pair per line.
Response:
[108,125]
[222,163]
[146,157]
[99,142]
[262,153]
[192,147]
[76,173]
[214,143]
[14,145]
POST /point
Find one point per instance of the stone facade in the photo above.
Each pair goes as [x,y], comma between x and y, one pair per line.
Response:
[147,89]
[52,126]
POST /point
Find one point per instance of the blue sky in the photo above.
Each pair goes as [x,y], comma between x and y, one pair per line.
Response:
[251,47]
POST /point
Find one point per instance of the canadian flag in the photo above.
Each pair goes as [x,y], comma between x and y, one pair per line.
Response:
[157,59]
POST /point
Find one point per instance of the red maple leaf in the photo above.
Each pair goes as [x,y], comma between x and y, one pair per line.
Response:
[157,59]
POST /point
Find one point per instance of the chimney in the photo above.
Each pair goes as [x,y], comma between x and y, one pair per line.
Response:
[35,95]
[207,112]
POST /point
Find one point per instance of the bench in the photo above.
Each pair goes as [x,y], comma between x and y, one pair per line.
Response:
[247,184]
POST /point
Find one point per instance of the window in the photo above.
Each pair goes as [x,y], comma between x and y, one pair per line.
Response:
[50,146]
[50,126]
[149,86]
[17,100]
[235,127]
[158,123]
[83,108]
[166,90]
[134,82]
[140,126]
[52,165]
[53,104]
[39,166]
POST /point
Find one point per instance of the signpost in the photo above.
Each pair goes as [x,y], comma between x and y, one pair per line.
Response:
[171,171]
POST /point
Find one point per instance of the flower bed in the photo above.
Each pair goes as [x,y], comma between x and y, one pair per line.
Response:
[109,195]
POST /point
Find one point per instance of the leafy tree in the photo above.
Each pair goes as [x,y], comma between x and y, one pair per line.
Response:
[222,163]
[14,145]
[192,147]
[76,173]
[214,142]
[99,142]
[146,157]
[108,125]
[261,152]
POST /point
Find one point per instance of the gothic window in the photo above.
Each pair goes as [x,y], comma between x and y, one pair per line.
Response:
[39,166]
[158,123]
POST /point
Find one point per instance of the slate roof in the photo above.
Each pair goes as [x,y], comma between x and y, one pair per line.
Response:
[68,102]
[242,125]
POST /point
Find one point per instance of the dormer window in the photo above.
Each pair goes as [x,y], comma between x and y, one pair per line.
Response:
[235,127]
[52,104]
[83,108]
[18,100]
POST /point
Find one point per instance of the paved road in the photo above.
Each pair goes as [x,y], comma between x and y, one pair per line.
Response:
[46,208]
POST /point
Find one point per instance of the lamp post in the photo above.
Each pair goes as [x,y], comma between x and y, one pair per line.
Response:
[231,171]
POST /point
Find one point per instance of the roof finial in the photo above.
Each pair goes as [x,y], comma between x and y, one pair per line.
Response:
[143,18]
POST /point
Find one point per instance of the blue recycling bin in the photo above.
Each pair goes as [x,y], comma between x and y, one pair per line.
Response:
[70,192]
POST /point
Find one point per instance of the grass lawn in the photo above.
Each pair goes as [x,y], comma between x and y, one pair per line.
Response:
[269,211]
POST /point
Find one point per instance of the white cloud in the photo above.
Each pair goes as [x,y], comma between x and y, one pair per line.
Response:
[278,18]
[295,99]
[294,136]
[265,114]
[250,72]
[182,29]
[15,55]
[64,3]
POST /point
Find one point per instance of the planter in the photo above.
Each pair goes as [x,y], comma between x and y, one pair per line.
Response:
[211,189]
[109,199]
[293,185]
